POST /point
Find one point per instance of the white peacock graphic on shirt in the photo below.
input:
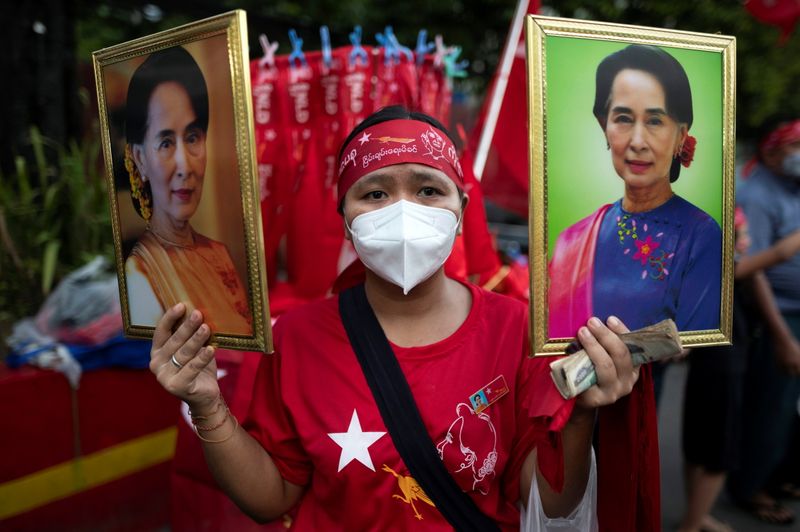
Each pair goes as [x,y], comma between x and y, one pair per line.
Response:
[470,445]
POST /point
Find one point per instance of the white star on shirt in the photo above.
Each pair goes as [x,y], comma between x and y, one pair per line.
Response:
[364,138]
[355,443]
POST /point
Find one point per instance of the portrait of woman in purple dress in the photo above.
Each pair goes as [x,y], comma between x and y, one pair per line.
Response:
[651,254]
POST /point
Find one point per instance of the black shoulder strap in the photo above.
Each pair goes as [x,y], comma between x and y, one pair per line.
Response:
[401,416]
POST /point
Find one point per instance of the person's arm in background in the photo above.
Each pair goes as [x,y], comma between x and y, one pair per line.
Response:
[760,223]
[786,346]
[781,251]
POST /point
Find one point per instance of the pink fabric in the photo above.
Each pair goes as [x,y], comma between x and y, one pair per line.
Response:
[571,276]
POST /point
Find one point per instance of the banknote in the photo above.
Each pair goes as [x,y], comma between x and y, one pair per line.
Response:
[575,373]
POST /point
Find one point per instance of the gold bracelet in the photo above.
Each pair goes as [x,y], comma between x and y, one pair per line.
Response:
[226,438]
[220,401]
[197,426]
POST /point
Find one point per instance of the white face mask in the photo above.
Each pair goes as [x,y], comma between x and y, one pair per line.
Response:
[404,243]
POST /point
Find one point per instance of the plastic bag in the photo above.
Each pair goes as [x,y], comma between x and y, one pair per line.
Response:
[29,346]
[582,519]
[78,328]
[84,309]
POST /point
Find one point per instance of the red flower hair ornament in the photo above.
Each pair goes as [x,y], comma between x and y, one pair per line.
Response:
[687,151]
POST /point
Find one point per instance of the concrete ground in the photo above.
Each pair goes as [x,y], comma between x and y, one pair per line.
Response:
[672,492]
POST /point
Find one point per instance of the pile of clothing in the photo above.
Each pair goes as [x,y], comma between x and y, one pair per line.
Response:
[78,328]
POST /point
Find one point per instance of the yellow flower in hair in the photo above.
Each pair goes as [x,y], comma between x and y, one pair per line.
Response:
[138,190]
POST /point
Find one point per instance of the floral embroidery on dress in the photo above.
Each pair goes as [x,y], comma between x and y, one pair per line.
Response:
[647,251]
[243,309]
[626,230]
[644,248]
[229,279]
[658,270]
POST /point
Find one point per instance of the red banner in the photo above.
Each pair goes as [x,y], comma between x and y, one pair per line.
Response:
[500,139]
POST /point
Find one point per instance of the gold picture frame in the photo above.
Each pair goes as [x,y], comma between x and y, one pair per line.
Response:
[177,131]
[568,154]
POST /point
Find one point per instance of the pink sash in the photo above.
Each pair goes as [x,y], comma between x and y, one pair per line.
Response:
[571,276]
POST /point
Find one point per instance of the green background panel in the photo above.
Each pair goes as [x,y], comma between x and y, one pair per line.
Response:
[580,176]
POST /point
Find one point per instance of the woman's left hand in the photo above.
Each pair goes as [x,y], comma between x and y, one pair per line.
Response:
[612,361]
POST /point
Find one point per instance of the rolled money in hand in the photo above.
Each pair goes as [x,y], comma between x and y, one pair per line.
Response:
[575,374]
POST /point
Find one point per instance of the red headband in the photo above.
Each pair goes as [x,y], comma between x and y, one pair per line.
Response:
[397,142]
[782,136]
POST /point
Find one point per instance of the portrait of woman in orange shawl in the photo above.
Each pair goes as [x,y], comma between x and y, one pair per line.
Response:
[166,121]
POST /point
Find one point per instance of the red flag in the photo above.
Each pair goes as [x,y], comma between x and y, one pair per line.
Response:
[477,244]
[499,141]
[474,253]
[781,13]
[355,93]
[272,165]
[395,82]
[315,232]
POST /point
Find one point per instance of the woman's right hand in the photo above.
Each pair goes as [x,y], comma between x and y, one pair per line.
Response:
[195,381]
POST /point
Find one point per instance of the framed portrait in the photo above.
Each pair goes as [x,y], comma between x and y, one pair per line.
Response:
[631,179]
[177,130]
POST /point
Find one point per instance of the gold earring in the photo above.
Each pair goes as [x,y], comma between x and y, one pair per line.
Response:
[138,189]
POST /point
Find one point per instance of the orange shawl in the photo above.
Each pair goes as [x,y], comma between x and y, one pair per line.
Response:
[202,276]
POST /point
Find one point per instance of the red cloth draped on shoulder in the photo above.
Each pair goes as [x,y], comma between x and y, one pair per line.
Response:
[571,273]
[549,413]
[628,470]
[628,473]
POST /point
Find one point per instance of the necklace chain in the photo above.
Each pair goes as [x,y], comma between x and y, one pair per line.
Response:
[171,242]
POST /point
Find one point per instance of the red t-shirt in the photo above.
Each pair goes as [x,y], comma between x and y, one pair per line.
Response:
[315,414]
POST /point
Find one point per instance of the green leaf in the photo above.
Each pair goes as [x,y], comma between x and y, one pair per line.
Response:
[49,261]
[37,144]
[51,197]
[23,180]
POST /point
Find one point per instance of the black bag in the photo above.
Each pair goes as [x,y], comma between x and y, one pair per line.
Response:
[401,416]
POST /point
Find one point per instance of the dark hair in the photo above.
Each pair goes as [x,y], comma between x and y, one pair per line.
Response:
[665,68]
[393,112]
[173,64]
